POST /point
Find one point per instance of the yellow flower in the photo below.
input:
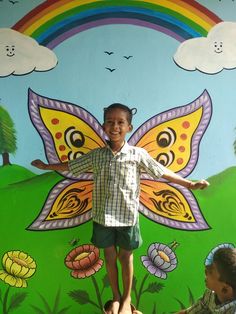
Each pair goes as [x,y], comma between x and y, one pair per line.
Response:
[18,267]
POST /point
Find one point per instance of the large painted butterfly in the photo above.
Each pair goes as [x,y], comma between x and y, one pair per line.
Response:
[171,137]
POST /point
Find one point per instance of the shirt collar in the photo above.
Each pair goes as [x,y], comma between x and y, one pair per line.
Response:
[124,149]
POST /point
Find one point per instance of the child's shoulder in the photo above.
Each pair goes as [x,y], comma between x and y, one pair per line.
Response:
[138,150]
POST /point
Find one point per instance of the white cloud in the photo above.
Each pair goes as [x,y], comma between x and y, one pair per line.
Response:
[209,54]
[21,54]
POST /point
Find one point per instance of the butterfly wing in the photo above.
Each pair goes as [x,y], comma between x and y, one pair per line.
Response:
[173,138]
[171,205]
[68,205]
[67,130]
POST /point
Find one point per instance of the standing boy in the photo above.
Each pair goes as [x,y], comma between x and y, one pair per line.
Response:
[117,168]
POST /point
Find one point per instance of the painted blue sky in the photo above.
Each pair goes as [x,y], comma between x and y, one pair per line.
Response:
[149,81]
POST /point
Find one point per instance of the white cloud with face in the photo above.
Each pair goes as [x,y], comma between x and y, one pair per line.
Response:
[209,54]
[21,54]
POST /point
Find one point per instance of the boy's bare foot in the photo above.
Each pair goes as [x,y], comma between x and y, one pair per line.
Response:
[125,308]
[112,307]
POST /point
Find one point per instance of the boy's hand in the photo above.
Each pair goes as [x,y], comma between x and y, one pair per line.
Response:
[39,164]
[202,184]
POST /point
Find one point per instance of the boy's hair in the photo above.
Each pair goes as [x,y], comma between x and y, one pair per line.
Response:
[225,260]
[130,112]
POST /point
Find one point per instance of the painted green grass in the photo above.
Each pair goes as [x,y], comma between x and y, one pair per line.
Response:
[14,173]
[21,202]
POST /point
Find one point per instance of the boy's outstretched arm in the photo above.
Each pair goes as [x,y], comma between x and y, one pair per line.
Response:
[175,178]
[56,167]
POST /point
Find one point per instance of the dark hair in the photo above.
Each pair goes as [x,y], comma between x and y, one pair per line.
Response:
[130,112]
[225,261]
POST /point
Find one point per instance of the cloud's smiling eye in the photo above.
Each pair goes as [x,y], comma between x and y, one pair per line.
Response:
[10,50]
[218,46]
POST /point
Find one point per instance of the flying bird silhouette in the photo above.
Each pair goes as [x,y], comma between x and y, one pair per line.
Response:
[111,70]
[109,52]
[13,2]
[128,57]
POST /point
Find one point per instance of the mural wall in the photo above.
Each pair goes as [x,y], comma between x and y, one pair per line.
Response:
[61,63]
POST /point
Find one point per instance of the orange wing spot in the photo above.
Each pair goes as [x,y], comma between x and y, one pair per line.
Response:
[185,124]
[62,147]
[58,135]
[183,136]
[64,158]
[180,161]
[182,149]
[55,121]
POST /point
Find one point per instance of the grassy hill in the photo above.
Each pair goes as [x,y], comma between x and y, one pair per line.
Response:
[13,173]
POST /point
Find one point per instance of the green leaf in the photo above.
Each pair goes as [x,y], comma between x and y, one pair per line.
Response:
[47,307]
[154,311]
[105,281]
[182,306]
[64,310]
[37,309]
[134,283]
[1,295]
[16,300]
[56,303]
[191,297]
[154,287]
[79,296]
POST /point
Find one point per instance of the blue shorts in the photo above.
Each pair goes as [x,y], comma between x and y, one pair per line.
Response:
[127,238]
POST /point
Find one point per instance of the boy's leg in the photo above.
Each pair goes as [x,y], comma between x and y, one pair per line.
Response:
[110,254]
[126,260]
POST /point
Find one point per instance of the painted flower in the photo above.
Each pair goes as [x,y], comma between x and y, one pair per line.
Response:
[209,258]
[84,261]
[160,259]
[17,268]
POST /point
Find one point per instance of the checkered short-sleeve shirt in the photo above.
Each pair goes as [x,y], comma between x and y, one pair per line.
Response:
[116,182]
[207,305]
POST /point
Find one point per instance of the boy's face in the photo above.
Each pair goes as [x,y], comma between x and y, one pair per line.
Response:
[212,279]
[116,125]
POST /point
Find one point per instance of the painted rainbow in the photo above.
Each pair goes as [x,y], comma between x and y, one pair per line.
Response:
[52,22]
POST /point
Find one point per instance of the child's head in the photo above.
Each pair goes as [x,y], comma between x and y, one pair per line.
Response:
[221,274]
[129,112]
[117,122]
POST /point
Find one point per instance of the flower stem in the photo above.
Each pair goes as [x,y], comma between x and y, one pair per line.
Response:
[97,292]
[141,290]
[4,304]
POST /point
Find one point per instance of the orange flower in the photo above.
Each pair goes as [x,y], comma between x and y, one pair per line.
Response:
[84,261]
